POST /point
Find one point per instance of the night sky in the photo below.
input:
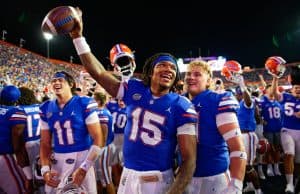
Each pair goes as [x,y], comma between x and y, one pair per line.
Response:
[246,31]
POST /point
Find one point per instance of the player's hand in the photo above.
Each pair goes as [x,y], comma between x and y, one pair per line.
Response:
[78,176]
[237,79]
[78,28]
[297,114]
[231,190]
[51,179]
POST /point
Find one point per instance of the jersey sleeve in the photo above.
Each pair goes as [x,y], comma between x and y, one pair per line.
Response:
[186,116]
[227,103]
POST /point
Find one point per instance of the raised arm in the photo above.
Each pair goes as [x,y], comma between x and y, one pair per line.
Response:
[90,62]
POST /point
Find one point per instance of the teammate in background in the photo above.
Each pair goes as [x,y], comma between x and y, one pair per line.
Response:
[13,153]
[157,121]
[179,87]
[221,156]
[248,116]
[290,132]
[30,105]
[103,164]
[271,112]
[72,122]
[120,120]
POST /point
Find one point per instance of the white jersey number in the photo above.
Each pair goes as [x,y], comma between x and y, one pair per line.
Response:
[119,119]
[30,119]
[289,108]
[274,112]
[67,131]
[149,133]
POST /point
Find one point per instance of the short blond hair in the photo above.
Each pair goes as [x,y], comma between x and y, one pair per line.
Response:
[203,64]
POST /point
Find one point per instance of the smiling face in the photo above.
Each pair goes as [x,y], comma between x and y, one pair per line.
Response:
[296,91]
[197,78]
[163,76]
[60,86]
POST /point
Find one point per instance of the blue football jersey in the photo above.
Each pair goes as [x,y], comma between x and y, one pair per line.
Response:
[119,120]
[106,118]
[290,106]
[271,112]
[9,116]
[67,125]
[212,150]
[32,131]
[150,135]
[112,106]
[246,116]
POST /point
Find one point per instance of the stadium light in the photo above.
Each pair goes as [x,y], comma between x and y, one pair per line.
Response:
[22,41]
[3,34]
[48,37]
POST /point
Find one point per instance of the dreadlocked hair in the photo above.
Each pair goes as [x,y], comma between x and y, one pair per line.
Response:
[27,97]
[148,69]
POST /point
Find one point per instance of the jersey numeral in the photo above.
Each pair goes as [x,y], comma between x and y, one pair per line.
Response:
[30,130]
[289,108]
[67,131]
[274,112]
[149,133]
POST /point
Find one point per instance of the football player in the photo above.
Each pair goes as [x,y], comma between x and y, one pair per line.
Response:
[12,144]
[30,105]
[73,124]
[290,132]
[248,116]
[103,164]
[157,121]
[221,156]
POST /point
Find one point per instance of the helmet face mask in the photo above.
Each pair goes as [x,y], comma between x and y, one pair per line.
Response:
[231,70]
[275,66]
[71,188]
[124,65]
[122,59]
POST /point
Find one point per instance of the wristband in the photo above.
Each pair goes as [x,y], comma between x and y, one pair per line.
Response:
[44,169]
[86,165]
[27,172]
[237,183]
[81,45]
[92,155]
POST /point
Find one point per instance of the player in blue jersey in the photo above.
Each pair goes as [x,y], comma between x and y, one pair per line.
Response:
[221,156]
[290,132]
[271,112]
[103,164]
[248,116]
[73,124]
[30,105]
[120,120]
[157,121]
[13,153]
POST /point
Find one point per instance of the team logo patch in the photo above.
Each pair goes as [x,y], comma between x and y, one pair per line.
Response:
[136,96]
[70,161]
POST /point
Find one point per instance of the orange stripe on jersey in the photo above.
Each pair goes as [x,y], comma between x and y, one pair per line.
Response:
[190,115]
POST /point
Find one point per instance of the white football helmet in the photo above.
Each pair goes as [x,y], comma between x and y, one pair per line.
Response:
[70,188]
